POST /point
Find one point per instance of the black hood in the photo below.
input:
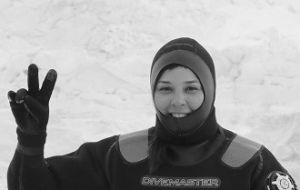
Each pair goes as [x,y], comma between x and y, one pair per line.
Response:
[200,125]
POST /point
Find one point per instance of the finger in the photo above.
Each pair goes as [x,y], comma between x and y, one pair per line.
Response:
[18,110]
[20,95]
[33,79]
[48,86]
[11,95]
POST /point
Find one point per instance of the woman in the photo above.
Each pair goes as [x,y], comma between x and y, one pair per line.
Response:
[185,149]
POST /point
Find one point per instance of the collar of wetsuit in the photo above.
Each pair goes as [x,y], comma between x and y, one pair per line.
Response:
[203,132]
[186,155]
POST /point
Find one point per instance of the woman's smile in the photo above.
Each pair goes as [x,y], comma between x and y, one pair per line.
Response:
[178,115]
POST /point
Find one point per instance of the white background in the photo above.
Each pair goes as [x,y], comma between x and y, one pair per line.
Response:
[102,51]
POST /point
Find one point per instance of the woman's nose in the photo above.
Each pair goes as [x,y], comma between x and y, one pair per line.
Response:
[178,99]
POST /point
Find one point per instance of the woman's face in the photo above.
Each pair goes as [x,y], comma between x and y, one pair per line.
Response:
[178,92]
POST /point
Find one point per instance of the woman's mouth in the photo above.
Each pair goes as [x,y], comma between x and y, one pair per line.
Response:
[178,115]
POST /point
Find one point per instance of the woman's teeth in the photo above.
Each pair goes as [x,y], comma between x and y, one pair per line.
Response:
[178,115]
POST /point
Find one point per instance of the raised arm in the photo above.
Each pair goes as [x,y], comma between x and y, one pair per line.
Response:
[28,169]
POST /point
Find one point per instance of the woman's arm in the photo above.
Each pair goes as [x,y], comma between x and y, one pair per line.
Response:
[28,169]
[270,174]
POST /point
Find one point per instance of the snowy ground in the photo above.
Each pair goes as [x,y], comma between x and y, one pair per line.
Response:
[102,51]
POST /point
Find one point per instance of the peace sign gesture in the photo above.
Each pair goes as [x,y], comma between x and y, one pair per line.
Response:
[30,107]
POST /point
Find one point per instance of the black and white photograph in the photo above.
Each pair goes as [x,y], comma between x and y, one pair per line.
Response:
[149,94]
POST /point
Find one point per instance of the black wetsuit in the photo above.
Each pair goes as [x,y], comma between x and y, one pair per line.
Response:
[121,163]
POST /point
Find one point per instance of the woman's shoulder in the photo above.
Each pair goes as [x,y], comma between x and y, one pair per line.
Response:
[133,137]
[133,146]
[239,149]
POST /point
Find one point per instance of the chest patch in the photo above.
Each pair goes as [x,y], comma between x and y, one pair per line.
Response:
[181,182]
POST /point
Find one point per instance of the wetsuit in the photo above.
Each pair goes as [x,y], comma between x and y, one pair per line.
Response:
[121,162]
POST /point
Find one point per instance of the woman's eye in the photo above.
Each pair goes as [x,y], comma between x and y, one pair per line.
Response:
[191,89]
[165,89]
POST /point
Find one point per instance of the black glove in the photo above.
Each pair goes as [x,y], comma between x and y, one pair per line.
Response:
[30,108]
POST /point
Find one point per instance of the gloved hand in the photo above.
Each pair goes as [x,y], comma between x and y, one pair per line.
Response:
[31,108]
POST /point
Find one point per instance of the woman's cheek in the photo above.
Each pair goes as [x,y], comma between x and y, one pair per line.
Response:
[195,101]
[161,103]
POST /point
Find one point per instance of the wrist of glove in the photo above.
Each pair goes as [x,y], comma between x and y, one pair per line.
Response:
[31,144]
[30,151]
[31,140]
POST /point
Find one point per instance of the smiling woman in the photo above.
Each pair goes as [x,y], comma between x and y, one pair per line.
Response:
[178,92]
[186,148]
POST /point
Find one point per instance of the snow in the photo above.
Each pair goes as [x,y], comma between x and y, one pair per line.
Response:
[102,51]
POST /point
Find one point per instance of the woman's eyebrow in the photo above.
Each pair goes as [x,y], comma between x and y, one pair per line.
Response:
[191,81]
[187,82]
[162,81]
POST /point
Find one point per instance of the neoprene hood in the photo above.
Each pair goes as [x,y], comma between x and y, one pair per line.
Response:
[200,125]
